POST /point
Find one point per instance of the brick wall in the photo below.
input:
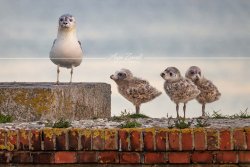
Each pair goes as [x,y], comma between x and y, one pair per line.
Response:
[126,146]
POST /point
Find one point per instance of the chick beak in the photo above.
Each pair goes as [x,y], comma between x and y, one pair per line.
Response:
[111,76]
[162,75]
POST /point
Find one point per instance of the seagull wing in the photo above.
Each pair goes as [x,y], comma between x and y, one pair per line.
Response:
[80,44]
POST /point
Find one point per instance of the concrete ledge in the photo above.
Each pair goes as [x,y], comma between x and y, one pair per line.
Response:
[35,101]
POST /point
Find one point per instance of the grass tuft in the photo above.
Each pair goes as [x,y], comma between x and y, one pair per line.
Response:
[131,124]
[61,124]
[181,123]
[5,118]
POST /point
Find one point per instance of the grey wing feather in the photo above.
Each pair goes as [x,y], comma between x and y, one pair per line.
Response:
[80,44]
[54,42]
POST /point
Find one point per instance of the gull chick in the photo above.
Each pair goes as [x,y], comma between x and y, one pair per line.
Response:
[134,89]
[209,92]
[66,50]
[178,88]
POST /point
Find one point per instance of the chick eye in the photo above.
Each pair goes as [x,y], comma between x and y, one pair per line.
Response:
[199,73]
[192,72]
[120,74]
[70,20]
[61,19]
[171,74]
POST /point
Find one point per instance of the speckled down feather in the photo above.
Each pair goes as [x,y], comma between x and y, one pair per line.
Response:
[137,91]
[209,92]
[181,90]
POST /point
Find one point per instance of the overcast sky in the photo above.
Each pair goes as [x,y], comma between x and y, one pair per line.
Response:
[159,28]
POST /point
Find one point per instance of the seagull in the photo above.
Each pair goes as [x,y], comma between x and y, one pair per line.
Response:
[66,50]
[134,89]
[178,88]
[209,92]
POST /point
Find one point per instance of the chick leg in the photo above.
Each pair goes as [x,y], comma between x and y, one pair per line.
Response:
[137,109]
[203,110]
[177,110]
[71,73]
[184,110]
[58,71]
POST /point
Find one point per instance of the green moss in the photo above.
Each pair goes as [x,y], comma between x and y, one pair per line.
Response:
[39,99]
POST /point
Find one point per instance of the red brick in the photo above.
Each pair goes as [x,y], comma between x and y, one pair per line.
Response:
[60,135]
[97,139]
[73,139]
[23,139]
[129,158]
[187,139]
[65,157]
[43,158]
[199,139]
[225,140]
[48,138]
[154,158]
[248,138]
[35,139]
[179,157]
[124,140]
[173,138]
[12,140]
[226,157]
[2,137]
[108,157]
[239,139]
[148,140]
[202,157]
[244,157]
[110,140]
[87,157]
[160,140]
[22,157]
[212,139]
[5,157]
[135,140]
[85,139]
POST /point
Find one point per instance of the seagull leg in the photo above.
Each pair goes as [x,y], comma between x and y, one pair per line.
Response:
[177,110]
[184,110]
[58,71]
[203,110]
[137,109]
[71,73]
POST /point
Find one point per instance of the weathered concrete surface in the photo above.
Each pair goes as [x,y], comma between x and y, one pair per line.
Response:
[36,101]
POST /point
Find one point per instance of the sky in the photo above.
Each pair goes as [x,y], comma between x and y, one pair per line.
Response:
[145,36]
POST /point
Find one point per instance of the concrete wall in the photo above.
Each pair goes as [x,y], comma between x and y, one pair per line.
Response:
[35,101]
